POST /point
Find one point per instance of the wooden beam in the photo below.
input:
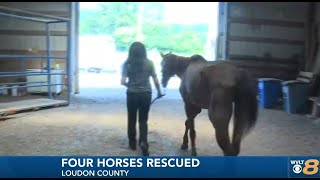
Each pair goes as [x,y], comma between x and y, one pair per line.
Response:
[54,13]
[10,108]
[261,21]
[236,57]
[266,40]
[32,33]
[26,52]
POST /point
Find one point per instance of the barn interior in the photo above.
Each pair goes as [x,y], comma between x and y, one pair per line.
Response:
[44,112]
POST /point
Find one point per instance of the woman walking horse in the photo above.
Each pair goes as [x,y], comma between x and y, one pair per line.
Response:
[214,87]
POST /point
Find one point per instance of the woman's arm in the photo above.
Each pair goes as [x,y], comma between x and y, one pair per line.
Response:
[124,75]
[124,81]
[157,84]
[156,80]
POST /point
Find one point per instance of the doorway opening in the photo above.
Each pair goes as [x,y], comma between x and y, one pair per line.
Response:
[106,30]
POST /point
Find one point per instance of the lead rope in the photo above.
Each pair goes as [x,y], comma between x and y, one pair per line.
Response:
[159,97]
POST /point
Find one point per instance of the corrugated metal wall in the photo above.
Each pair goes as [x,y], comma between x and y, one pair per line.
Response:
[20,36]
[257,29]
[267,38]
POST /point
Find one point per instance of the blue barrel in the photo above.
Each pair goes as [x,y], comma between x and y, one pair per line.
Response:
[295,96]
[269,92]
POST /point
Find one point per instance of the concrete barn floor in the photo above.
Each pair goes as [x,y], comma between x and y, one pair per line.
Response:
[95,124]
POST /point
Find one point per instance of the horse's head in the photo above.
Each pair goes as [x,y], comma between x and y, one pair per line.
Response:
[167,68]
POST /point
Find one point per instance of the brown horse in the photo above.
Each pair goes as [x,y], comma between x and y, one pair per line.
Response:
[215,86]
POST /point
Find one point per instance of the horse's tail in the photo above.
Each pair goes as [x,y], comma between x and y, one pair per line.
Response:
[246,105]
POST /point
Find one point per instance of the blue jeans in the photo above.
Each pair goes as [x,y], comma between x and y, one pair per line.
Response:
[138,102]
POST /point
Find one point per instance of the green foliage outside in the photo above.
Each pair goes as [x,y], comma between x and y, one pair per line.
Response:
[121,20]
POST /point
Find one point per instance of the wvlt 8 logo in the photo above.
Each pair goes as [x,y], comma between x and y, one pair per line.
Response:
[305,167]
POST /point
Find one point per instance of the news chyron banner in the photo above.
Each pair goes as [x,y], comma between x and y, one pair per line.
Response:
[158,167]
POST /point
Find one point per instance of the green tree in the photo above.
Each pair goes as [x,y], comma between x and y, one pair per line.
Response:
[124,36]
[120,19]
[153,11]
[112,15]
[166,38]
[89,23]
[115,15]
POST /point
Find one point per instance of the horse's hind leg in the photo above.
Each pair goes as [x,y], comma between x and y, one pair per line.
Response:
[237,137]
[193,138]
[220,112]
[184,145]
[191,112]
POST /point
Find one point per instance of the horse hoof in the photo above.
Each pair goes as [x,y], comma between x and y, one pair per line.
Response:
[184,146]
[193,154]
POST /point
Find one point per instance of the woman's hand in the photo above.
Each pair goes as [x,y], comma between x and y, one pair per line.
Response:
[160,95]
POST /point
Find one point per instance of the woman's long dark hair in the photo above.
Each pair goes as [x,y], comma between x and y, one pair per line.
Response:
[137,56]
